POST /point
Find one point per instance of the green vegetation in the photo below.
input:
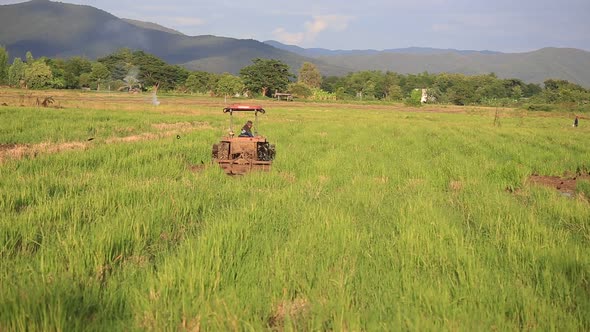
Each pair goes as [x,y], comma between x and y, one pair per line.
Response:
[266,76]
[309,75]
[371,219]
[3,65]
[136,70]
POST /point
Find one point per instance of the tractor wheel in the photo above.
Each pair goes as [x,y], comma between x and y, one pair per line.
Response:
[215,151]
[223,151]
[266,152]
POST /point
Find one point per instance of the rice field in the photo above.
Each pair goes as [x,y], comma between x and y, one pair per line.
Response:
[374,217]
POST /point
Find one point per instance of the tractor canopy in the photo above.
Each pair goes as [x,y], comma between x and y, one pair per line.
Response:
[244,108]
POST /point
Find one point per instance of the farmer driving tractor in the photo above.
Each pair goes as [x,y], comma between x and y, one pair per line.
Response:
[246,130]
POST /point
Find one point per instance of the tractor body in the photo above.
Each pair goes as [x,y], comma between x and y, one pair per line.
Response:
[238,155]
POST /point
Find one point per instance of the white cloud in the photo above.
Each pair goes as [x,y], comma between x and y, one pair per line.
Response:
[288,38]
[313,28]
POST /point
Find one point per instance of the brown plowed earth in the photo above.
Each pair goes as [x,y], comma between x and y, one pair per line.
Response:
[4,147]
[561,184]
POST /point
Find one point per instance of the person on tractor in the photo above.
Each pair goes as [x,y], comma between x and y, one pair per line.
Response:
[246,130]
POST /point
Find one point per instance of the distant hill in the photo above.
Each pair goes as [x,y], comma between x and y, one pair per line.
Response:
[534,67]
[563,63]
[318,52]
[537,66]
[56,29]
[152,26]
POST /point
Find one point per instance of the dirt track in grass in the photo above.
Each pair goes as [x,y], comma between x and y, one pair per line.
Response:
[11,151]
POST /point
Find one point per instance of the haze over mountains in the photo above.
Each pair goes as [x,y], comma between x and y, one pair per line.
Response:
[318,52]
[55,29]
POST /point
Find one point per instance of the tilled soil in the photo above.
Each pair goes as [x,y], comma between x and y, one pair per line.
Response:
[561,184]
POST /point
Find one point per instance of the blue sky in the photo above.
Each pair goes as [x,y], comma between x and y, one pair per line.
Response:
[499,25]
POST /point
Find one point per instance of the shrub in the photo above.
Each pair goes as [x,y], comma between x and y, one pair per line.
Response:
[300,90]
[319,94]
[414,99]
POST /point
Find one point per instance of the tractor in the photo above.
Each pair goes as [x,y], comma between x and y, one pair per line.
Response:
[247,152]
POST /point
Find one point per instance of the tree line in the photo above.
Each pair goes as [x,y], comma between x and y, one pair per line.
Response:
[127,70]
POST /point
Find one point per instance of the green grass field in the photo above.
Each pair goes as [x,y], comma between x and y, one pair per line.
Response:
[373,218]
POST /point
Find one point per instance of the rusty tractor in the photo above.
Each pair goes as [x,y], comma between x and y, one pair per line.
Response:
[246,152]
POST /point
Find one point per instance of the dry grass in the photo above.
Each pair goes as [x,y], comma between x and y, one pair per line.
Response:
[456,185]
[293,310]
[182,105]
[19,151]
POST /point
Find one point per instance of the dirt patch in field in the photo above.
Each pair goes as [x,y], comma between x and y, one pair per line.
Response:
[139,137]
[4,147]
[288,176]
[456,185]
[181,125]
[295,310]
[19,151]
[168,129]
[565,185]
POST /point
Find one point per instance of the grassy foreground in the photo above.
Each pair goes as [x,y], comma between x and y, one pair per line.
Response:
[371,219]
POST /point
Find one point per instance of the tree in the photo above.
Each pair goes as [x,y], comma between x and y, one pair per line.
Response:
[362,84]
[120,64]
[99,74]
[517,92]
[332,83]
[461,93]
[57,72]
[29,58]
[16,72]
[563,91]
[266,76]
[73,68]
[423,80]
[394,92]
[228,85]
[310,75]
[85,80]
[198,81]
[392,89]
[3,65]
[38,75]
[531,89]
[153,70]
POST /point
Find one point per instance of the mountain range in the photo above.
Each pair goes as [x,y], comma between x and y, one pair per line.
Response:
[318,52]
[56,29]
